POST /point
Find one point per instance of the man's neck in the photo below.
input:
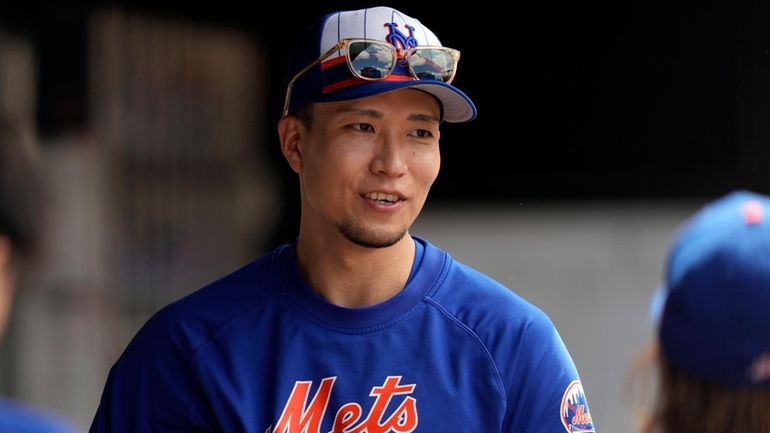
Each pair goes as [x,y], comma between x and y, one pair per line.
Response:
[352,276]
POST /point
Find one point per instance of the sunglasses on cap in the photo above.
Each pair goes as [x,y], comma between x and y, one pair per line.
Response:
[374,60]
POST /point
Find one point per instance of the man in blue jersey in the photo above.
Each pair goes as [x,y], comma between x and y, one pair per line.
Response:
[357,326]
[18,211]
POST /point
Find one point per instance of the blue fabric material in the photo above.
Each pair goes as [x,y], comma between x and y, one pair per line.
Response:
[259,351]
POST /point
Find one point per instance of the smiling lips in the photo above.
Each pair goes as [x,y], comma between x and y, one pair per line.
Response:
[382,198]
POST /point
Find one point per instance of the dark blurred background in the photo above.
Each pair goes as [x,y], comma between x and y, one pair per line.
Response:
[576,99]
[600,127]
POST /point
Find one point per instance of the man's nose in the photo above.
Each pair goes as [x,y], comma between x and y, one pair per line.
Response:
[389,158]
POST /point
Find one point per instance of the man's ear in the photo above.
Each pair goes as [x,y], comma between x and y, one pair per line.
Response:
[291,132]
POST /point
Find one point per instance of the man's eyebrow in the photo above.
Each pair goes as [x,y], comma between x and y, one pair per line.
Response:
[423,118]
[371,113]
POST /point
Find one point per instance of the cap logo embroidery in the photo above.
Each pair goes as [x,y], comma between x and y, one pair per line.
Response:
[400,41]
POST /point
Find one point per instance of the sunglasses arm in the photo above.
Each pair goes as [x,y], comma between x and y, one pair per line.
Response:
[337,46]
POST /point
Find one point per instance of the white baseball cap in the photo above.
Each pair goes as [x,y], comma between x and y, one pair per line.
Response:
[355,54]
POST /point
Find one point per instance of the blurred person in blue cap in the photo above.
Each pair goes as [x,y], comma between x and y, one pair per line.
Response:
[19,196]
[357,326]
[713,318]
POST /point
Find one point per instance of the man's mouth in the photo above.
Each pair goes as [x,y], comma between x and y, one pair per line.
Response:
[382,198]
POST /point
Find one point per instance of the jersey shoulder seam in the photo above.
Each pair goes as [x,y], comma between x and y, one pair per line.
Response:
[465,328]
[229,322]
[211,337]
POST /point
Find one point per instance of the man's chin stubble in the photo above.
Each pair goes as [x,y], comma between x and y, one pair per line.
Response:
[368,239]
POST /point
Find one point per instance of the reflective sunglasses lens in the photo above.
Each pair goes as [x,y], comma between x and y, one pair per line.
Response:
[432,64]
[371,60]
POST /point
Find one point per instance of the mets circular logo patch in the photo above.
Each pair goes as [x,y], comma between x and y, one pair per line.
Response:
[574,410]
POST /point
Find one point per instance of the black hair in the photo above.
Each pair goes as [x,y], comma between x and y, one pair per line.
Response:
[305,114]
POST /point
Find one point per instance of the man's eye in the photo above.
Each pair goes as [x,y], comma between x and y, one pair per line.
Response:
[422,133]
[364,127]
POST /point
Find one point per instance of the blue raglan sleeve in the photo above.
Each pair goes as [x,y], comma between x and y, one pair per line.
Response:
[545,394]
[151,388]
[541,389]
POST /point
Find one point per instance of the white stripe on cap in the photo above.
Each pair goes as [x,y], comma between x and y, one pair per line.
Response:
[370,24]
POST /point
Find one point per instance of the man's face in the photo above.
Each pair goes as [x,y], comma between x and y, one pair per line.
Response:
[367,166]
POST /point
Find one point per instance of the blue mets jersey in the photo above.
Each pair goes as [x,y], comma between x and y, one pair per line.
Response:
[260,352]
